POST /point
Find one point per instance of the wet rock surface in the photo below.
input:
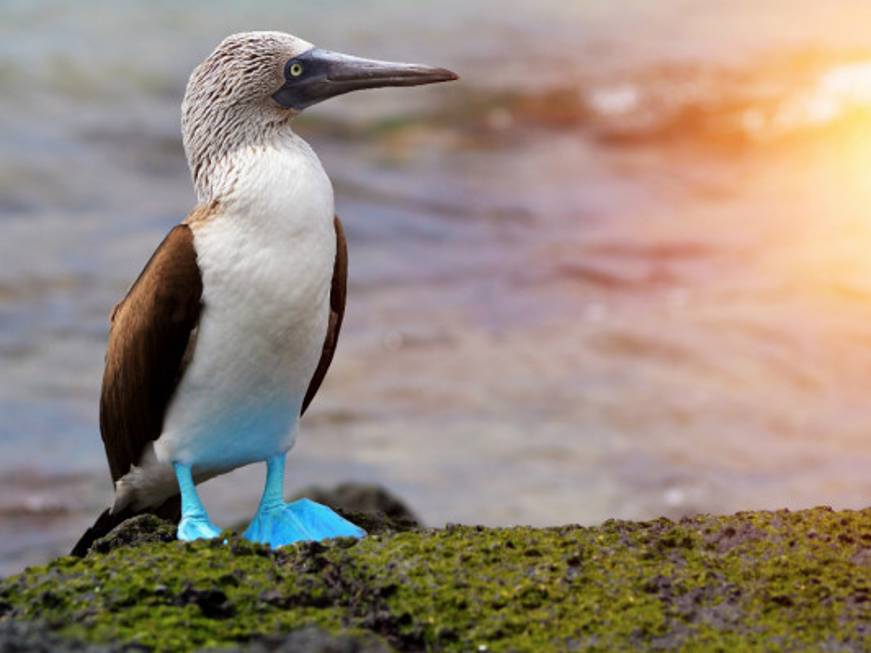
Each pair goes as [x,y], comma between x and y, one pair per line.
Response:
[796,581]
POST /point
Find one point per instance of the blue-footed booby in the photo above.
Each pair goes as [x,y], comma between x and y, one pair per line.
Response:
[223,340]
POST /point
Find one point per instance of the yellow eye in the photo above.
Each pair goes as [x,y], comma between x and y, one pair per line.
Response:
[295,69]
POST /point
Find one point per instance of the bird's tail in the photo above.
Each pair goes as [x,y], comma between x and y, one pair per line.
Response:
[169,510]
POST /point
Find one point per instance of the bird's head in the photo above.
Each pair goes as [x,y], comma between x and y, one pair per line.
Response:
[254,82]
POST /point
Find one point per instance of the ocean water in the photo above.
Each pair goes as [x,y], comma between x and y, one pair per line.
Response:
[620,269]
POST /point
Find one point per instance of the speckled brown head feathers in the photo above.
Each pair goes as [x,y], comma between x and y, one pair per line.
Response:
[228,101]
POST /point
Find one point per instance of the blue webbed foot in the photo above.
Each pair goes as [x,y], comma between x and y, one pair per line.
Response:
[196,528]
[298,521]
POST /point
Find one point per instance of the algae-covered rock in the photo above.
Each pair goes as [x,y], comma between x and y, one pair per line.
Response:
[144,529]
[33,637]
[311,639]
[750,582]
[141,529]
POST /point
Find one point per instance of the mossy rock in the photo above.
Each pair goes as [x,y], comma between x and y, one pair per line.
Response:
[763,581]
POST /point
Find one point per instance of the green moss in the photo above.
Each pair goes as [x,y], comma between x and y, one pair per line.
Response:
[753,581]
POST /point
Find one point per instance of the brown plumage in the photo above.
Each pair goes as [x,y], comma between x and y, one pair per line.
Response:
[152,338]
[338,292]
[150,332]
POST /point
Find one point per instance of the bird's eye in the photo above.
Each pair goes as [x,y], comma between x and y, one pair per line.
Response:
[296,69]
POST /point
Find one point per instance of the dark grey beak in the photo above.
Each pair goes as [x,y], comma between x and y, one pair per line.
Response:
[317,75]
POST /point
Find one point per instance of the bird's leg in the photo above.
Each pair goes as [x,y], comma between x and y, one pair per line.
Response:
[195,523]
[278,523]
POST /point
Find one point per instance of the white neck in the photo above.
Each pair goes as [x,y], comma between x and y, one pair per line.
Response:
[280,180]
[215,163]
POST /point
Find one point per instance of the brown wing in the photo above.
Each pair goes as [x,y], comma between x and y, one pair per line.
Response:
[338,292]
[148,349]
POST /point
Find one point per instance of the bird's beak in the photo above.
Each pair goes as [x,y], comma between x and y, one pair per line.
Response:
[317,75]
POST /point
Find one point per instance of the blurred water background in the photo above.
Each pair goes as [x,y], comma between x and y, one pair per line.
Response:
[621,269]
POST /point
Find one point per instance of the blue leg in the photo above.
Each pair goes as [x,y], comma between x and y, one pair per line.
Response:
[194,524]
[278,523]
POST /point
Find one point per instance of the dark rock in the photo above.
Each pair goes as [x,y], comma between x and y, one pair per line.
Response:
[360,498]
[141,529]
[374,523]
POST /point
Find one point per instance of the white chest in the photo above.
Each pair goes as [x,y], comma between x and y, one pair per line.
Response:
[266,261]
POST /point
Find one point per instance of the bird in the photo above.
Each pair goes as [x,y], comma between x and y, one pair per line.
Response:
[221,343]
